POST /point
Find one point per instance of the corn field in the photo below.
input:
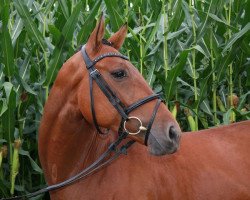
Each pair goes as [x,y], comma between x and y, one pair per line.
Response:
[196,52]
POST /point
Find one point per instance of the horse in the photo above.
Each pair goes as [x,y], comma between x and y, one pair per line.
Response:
[74,132]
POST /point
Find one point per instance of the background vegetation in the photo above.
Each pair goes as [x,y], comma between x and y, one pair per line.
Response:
[195,52]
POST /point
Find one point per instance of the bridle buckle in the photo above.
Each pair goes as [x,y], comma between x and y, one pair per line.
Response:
[95,72]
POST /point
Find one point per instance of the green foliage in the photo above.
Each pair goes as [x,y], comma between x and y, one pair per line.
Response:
[196,54]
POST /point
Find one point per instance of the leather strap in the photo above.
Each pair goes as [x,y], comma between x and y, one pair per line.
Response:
[107,91]
[89,63]
[152,121]
[113,99]
[99,163]
[141,102]
[92,106]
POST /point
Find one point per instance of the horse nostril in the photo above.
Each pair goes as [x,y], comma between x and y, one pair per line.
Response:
[172,133]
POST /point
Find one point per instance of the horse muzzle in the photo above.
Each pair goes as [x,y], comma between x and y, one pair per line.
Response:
[166,143]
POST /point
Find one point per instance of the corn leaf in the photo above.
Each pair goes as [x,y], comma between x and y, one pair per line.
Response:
[8,117]
[32,162]
[88,24]
[236,37]
[7,48]
[29,24]
[67,33]
[115,18]
[174,73]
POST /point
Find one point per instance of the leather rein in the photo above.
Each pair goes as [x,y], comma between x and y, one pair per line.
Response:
[95,75]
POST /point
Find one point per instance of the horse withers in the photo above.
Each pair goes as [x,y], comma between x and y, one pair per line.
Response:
[211,164]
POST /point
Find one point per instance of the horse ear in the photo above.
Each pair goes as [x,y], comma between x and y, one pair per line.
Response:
[95,38]
[118,38]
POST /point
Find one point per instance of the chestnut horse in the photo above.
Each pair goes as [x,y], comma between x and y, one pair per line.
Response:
[211,164]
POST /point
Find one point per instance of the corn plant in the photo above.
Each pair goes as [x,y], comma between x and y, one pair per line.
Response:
[195,52]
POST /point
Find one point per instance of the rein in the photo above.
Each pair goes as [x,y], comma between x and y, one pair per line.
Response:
[123,132]
[98,164]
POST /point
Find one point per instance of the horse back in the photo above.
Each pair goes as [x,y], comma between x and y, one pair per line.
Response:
[214,163]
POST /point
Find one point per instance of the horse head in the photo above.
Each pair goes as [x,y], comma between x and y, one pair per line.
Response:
[129,87]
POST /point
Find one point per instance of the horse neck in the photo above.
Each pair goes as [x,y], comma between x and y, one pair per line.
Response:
[67,143]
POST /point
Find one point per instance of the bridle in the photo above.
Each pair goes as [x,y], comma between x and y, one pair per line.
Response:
[95,75]
[123,131]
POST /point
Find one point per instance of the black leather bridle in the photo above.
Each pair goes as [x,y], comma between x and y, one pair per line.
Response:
[124,111]
[123,132]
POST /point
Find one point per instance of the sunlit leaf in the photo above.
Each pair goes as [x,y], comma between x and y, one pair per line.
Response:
[173,73]
[67,33]
[7,48]
[29,24]
[88,24]
[236,36]
[8,117]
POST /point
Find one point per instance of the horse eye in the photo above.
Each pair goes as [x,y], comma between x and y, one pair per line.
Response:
[119,74]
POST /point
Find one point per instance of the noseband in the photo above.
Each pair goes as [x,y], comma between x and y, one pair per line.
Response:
[124,111]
